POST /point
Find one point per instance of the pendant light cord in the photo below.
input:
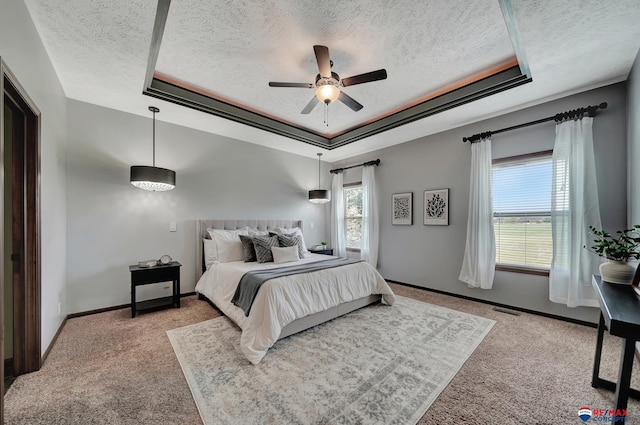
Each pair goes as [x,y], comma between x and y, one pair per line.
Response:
[318,172]
[154,110]
[154,138]
[319,155]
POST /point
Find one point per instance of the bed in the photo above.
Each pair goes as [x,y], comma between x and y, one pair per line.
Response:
[284,305]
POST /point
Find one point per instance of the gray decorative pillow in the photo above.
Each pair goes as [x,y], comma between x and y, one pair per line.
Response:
[262,245]
[248,250]
[292,240]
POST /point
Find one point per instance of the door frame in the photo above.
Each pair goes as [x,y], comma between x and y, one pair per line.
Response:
[29,309]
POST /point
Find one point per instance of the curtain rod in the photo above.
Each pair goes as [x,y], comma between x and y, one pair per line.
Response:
[364,164]
[590,110]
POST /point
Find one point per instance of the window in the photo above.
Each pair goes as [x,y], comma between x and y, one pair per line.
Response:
[522,211]
[353,216]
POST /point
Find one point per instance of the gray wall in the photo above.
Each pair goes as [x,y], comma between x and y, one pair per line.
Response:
[633,137]
[23,52]
[113,224]
[431,256]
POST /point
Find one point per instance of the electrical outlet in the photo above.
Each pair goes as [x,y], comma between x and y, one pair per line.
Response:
[173,226]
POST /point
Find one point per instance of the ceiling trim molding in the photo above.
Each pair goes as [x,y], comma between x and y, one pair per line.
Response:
[181,96]
[514,33]
[487,86]
[162,13]
[497,82]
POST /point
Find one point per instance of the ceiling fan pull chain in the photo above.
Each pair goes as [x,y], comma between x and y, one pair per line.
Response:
[326,114]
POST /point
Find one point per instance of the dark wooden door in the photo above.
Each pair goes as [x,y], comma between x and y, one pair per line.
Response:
[15,174]
[25,226]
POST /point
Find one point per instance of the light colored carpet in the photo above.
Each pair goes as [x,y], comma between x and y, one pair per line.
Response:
[110,369]
[378,365]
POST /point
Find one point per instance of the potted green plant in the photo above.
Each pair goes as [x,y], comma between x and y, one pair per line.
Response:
[618,249]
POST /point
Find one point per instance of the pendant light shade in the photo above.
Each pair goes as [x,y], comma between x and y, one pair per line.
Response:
[153,178]
[319,196]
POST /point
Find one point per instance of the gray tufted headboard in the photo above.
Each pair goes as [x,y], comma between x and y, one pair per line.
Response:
[232,224]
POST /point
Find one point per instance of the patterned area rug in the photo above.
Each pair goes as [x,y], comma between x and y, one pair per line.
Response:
[378,365]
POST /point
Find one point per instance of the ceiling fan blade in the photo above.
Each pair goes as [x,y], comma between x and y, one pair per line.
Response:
[302,85]
[312,103]
[380,74]
[324,63]
[349,101]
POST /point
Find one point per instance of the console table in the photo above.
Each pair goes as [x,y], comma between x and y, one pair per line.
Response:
[620,314]
[156,274]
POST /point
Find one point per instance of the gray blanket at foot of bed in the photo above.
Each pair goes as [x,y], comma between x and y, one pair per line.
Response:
[251,281]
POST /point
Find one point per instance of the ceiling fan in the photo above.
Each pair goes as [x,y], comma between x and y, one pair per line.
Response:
[328,83]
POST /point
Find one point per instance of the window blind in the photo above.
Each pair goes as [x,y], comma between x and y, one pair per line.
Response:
[522,211]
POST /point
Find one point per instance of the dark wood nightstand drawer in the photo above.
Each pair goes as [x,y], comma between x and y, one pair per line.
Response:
[162,273]
[328,251]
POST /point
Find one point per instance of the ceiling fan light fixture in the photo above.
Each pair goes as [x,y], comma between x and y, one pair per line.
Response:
[327,93]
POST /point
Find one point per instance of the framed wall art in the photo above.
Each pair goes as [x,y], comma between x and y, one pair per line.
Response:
[436,207]
[402,213]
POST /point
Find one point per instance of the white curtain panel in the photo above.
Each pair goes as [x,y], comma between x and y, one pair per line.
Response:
[574,207]
[370,217]
[338,241]
[478,265]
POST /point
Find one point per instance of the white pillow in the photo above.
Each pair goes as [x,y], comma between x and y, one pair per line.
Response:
[226,235]
[285,254]
[210,252]
[229,250]
[254,232]
[293,231]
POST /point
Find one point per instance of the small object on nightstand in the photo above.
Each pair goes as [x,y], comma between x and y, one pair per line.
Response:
[148,263]
[165,259]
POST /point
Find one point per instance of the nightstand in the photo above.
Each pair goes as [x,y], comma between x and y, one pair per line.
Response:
[156,274]
[328,251]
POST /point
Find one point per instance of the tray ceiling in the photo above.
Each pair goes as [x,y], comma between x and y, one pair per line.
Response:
[219,57]
[230,50]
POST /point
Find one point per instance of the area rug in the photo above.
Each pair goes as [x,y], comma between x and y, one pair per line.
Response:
[378,365]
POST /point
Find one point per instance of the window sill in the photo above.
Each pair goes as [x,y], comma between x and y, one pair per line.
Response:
[523,270]
[353,249]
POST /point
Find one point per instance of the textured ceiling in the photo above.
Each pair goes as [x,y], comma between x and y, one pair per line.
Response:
[233,48]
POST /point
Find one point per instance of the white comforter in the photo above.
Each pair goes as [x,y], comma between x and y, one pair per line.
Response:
[281,301]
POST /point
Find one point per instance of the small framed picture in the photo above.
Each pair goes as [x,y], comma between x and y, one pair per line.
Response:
[436,207]
[402,213]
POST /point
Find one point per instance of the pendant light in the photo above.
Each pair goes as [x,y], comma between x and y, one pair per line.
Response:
[153,178]
[319,196]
